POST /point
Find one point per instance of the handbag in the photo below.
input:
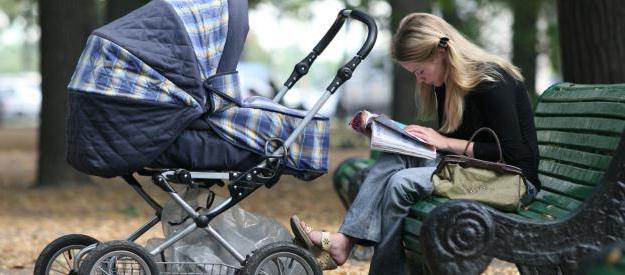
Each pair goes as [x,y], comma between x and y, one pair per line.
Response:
[493,183]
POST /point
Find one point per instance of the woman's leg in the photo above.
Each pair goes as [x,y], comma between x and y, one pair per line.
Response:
[363,220]
[404,189]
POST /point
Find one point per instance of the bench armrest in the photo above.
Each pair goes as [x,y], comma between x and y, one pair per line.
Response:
[465,235]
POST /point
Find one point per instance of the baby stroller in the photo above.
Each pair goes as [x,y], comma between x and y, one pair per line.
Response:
[156,93]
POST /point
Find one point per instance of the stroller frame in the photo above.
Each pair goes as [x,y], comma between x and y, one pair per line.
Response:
[242,184]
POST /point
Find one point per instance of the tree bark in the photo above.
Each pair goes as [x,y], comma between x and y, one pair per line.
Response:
[524,40]
[404,101]
[65,25]
[118,8]
[592,39]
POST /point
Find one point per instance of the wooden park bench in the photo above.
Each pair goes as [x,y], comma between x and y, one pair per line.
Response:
[580,209]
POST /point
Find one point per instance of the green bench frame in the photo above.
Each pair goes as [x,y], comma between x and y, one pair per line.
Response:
[580,209]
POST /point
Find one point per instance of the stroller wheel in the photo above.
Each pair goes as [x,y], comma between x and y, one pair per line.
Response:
[58,256]
[281,258]
[118,257]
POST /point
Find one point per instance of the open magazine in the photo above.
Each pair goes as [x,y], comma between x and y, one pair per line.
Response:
[388,135]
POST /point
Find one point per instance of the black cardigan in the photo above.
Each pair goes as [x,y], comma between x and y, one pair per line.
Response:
[503,106]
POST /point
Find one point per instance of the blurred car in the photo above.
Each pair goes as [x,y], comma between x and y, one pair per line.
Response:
[20,99]
[255,79]
[369,88]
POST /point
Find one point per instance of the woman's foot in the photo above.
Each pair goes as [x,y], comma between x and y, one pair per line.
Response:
[339,244]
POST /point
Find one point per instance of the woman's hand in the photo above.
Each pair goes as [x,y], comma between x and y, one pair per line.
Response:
[428,135]
[359,123]
[442,143]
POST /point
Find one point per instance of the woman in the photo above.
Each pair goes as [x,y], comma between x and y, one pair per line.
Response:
[468,88]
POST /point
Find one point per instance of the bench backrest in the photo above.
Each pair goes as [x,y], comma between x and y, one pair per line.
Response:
[578,129]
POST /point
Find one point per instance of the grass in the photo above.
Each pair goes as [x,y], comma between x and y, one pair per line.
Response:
[18,139]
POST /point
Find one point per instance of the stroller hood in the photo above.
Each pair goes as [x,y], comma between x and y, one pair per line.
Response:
[140,81]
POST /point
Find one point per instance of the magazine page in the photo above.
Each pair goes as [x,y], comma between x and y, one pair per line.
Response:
[396,126]
[389,136]
[396,140]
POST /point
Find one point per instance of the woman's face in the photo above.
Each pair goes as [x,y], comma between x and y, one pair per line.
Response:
[431,72]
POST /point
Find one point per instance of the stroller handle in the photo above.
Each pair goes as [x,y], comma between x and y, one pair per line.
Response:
[303,66]
[338,23]
[343,74]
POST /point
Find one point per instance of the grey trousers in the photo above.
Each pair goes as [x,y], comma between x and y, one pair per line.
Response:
[395,182]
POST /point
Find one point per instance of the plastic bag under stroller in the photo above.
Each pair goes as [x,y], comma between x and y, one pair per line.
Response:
[245,231]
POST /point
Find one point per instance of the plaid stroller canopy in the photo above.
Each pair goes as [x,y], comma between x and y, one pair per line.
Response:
[144,78]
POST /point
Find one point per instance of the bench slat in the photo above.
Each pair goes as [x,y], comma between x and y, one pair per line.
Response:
[412,243]
[421,209]
[586,141]
[352,166]
[568,172]
[516,215]
[559,200]
[577,92]
[591,160]
[535,216]
[412,226]
[600,109]
[438,200]
[567,188]
[581,124]
[544,208]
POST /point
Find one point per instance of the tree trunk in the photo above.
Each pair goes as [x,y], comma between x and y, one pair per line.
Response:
[524,40]
[467,25]
[118,8]
[65,25]
[404,102]
[592,35]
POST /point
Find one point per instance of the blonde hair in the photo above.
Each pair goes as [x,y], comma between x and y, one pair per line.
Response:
[417,39]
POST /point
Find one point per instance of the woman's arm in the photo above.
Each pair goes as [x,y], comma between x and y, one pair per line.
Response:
[443,143]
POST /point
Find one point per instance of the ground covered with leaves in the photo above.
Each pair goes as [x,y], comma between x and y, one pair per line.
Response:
[108,209]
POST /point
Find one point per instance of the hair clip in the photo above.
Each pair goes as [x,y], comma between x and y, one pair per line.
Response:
[442,43]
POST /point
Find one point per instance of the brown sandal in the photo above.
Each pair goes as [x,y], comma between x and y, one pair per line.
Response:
[301,233]
[324,260]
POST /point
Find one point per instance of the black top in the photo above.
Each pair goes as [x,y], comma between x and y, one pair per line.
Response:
[503,106]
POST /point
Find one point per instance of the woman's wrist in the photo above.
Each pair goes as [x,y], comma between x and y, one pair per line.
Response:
[447,144]
[457,146]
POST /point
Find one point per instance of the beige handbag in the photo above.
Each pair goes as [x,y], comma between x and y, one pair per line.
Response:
[493,183]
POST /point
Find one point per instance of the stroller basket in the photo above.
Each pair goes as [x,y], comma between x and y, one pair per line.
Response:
[176,268]
[125,265]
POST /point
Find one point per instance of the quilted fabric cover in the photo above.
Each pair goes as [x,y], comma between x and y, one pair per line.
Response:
[258,119]
[136,88]
[143,79]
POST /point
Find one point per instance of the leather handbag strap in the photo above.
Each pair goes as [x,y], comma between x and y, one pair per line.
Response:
[496,140]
